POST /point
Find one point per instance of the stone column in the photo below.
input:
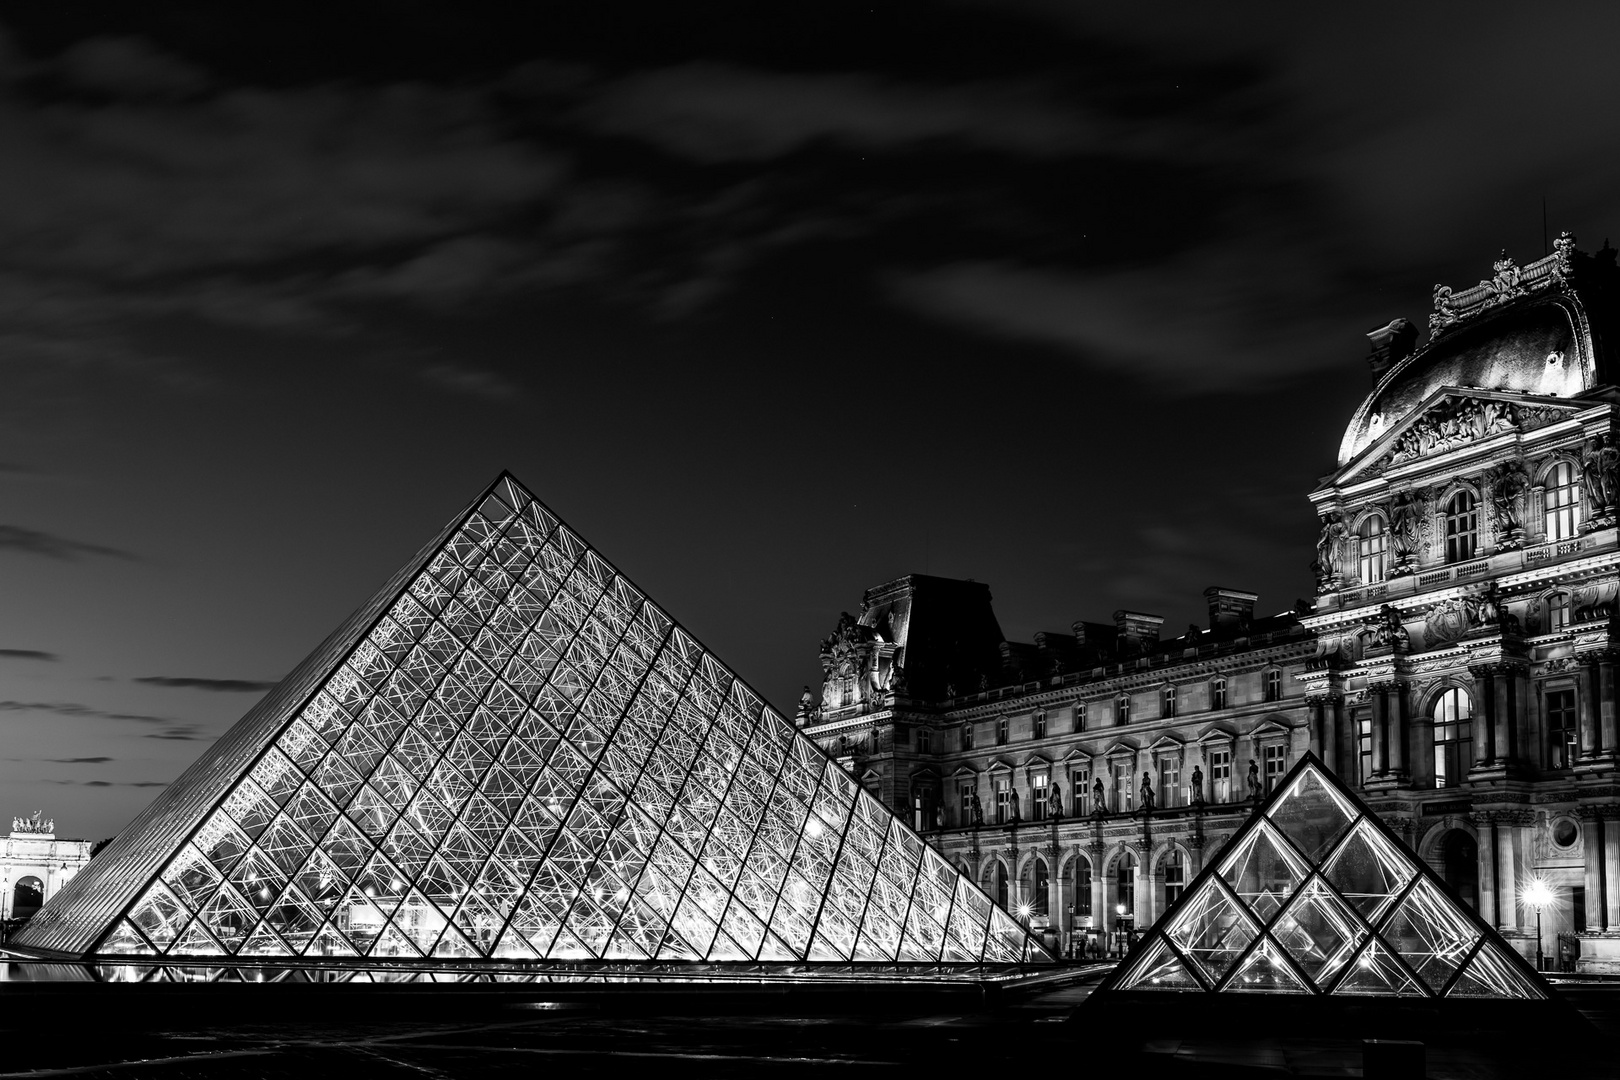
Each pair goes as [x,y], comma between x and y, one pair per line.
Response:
[1586,699]
[1333,740]
[1596,871]
[1319,737]
[1378,698]
[1421,749]
[1485,745]
[1508,846]
[1608,741]
[1396,739]
[1507,716]
[1611,866]
[1485,852]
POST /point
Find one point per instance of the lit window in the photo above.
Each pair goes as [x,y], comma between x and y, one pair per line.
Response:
[1276,763]
[1082,792]
[1562,740]
[1122,787]
[1462,527]
[1170,781]
[1273,686]
[1220,775]
[1453,737]
[1039,792]
[1041,901]
[1217,694]
[1004,793]
[1125,870]
[1001,731]
[1167,702]
[1372,544]
[1082,886]
[1040,725]
[1364,748]
[1557,612]
[1175,876]
[1563,502]
[1122,711]
[966,792]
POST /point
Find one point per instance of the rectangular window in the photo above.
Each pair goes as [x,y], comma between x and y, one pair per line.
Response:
[1122,711]
[1364,748]
[1563,741]
[1001,731]
[1082,886]
[1175,877]
[1040,725]
[1170,782]
[967,736]
[1563,502]
[1453,738]
[923,746]
[1217,694]
[1079,716]
[965,814]
[1276,763]
[1167,708]
[1003,799]
[1273,686]
[1220,775]
[1462,527]
[1038,794]
[1082,792]
[1122,788]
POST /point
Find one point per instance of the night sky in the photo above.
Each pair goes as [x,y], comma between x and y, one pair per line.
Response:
[771,305]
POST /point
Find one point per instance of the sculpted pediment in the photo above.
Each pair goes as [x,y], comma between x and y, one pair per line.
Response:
[1455,417]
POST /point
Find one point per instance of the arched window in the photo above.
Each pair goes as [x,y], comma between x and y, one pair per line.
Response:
[1563,738]
[1372,543]
[1175,876]
[1557,612]
[1040,903]
[1167,702]
[1453,737]
[27,897]
[1082,885]
[1125,887]
[1563,502]
[1462,527]
[1000,873]
[1122,711]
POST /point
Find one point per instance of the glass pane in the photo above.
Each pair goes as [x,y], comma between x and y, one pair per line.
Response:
[1263,870]
[1159,969]
[1264,971]
[1319,932]
[1212,930]
[1377,972]
[1312,814]
[1430,934]
[1368,871]
[1490,975]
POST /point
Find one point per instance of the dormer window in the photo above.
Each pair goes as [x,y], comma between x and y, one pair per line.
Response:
[1563,502]
[1167,702]
[1273,685]
[967,736]
[1001,731]
[1372,544]
[1217,694]
[1039,724]
[1122,710]
[1462,527]
[1079,716]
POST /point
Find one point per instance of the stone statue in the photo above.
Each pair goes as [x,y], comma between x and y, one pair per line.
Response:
[1147,793]
[807,707]
[939,816]
[1198,786]
[1328,545]
[1599,463]
[1405,516]
[1254,780]
[1508,484]
[1099,798]
[1388,629]
[1055,802]
[1012,806]
[977,809]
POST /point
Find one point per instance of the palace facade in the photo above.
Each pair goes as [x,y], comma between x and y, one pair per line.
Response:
[1456,666]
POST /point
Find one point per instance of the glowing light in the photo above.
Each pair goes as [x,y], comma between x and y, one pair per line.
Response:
[1538,893]
[1120,909]
[1023,911]
[812,827]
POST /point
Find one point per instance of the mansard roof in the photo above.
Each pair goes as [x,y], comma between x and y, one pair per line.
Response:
[1545,329]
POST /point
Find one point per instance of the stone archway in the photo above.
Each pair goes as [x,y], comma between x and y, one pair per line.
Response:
[1459,865]
[27,897]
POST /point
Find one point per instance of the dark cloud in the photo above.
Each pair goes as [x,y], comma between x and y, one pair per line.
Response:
[66,708]
[79,760]
[113,783]
[129,67]
[242,686]
[178,733]
[28,654]
[35,542]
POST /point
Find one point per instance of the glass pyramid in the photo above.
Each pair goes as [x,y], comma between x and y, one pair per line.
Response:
[510,752]
[1315,895]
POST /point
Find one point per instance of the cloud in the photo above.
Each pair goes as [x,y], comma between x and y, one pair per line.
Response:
[66,708]
[27,654]
[34,542]
[179,733]
[473,382]
[113,783]
[78,760]
[714,113]
[233,686]
[129,68]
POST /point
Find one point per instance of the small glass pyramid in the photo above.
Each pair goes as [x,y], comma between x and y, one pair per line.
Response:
[511,753]
[1315,895]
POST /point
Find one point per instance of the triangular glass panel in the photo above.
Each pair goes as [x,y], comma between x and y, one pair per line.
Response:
[511,751]
[1492,974]
[1311,813]
[1319,932]
[1265,971]
[1430,934]
[1263,870]
[125,940]
[1160,969]
[1377,972]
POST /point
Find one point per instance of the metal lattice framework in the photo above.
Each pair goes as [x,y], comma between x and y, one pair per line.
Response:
[511,753]
[1313,896]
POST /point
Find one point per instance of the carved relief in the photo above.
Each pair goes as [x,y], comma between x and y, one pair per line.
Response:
[849,668]
[1330,553]
[1593,600]
[1409,527]
[1600,461]
[1507,487]
[1452,423]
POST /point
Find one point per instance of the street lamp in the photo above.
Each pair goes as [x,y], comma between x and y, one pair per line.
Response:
[1538,894]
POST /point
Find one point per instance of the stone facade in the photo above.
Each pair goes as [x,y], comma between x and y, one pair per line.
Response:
[1457,666]
[34,863]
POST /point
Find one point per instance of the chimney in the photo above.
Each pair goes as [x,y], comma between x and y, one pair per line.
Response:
[1137,630]
[1229,607]
[1390,345]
